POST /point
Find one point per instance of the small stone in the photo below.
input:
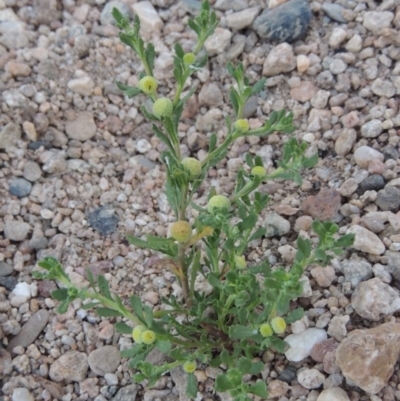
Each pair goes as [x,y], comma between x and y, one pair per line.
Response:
[356,270]
[104,360]
[310,378]
[16,230]
[337,66]
[17,69]
[21,394]
[23,290]
[82,128]
[348,187]
[364,155]
[10,135]
[149,19]
[143,146]
[218,42]
[383,88]
[5,269]
[276,225]
[374,182]
[324,276]
[337,37]
[371,129]
[354,45]
[388,199]
[303,63]
[345,141]
[320,100]
[242,19]
[84,85]
[29,130]
[210,95]
[196,141]
[366,241]
[334,11]
[32,171]
[333,394]
[288,374]
[367,357]
[337,327]
[304,92]
[127,393]
[279,60]
[103,220]
[71,366]
[284,23]
[374,299]
[322,348]
[324,206]
[301,344]
[20,187]
[375,21]
[277,388]
[106,17]
[30,330]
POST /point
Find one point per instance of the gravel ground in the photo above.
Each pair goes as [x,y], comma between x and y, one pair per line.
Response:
[79,168]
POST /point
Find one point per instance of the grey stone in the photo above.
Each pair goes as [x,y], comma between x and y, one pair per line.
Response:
[8,282]
[106,17]
[334,11]
[103,220]
[393,263]
[356,270]
[5,269]
[20,187]
[371,129]
[14,40]
[71,366]
[180,378]
[284,23]
[82,45]
[32,171]
[235,5]
[82,128]
[127,393]
[388,199]
[104,360]
[30,330]
[10,135]
[250,107]
[390,152]
[276,225]
[374,182]
[383,88]
[16,230]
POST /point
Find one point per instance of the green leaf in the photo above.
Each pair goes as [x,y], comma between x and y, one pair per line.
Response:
[256,368]
[311,161]
[103,287]
[60,295]
[278,344]
[244,365]
[222,383]
[258,234]
[163,346]
[226,358]
[123,328]
[179,51]
[304,246]
[258,86]
[107,312]
[148,316]
[63,307]
[259,389]
[132,352]
[238,332]
[249,222]
[90,277]
[294,315]
[191,389]
[89,305]
[194,27]
[150,56]
[345,241]
[137,307]
[129,91]
[235,99]
[214,281]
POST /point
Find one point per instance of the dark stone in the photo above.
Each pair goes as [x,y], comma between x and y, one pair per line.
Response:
[37,144]
[388,199]
[374,182]
[284,23]
[390,152]
[103,220]
[20,187]
[5,269]
[9,282]
[288,374]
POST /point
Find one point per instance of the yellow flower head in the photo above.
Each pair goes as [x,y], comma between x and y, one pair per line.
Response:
[162,107]
[240,262]
[148,337]
[278,324]
[218,202]
[181,231]
[148,85]
[137,333]
[189,366]
[193,166]
[189,58]
[259,171]
[266,330]
[242,125]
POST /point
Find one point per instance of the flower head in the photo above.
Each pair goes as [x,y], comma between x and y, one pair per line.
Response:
[162,107]
[278,324]
[148,337]
[259,171]
[137,333]
[193,166]
[181,231]
[148,85]
[189,366]
[242,125]
[266,330]
[189,58]
[218,202]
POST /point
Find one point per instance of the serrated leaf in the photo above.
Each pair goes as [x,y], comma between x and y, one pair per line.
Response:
[294,315]
[179,51]
[256,368]
[131,352]
[163,346]
[304,246]
[222,383]
[258,234]
[244,365]
[278,344]
[107,312]
[259,389]
[311,161]
[104,289]
[191,389]
[60,294]
[63,307]
[123,328]
[148,316]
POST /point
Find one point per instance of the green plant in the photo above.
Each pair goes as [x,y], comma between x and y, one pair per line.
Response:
[249,306]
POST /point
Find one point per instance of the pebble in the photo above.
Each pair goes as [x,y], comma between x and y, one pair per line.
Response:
[82,128]
[354,45]
[30,330]
[324,276]
[324,206]
[374,182]
[304,92]
[345,141]
[23,290]
[310,378]
[388,199]
[21,394]
[104,360]
[301,344]
[374,299]
[106,17]
[356,270]
[333,394]
[334,11]
[149,19]
[277,388]
[5,269]
[365,154]
[375,21]
[10,135]
[371,129]
[127,393]
[210,95]
[32,171]
[284,23]
[16,230]
[337,327]
[242,19]
[348,187]
[218,42]
[84,85]
[337,37]
[71,366]
[366,241]
[383,88]
[29,130]
[103,220]
[279,60]
[20,187]
[276,225]
[322,348]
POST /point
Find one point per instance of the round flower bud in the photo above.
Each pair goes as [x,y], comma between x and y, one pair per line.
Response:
[266,330]
[181,231]
[242,125]
[148,85]
[137,333]
[278,324]
[259,171]
[218,202]
[189,58]
[193,166]
[240,261]
[162,107]
[148,337]
[189,366]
